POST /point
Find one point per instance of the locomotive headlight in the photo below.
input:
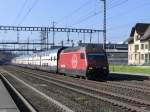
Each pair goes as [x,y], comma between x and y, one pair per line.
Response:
[90,68]
[105,68]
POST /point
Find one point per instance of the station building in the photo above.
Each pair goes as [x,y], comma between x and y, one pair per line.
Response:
[139,45]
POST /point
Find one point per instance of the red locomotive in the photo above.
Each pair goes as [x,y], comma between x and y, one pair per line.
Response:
[87,61]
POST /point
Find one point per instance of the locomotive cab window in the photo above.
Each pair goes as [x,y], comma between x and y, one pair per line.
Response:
[96,56]
[82,56]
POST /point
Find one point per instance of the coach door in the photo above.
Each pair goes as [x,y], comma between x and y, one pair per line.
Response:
[40,61]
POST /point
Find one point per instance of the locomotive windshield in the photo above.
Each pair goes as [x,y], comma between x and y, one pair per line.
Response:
[96,56]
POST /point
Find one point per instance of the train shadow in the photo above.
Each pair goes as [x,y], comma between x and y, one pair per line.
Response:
[126,77]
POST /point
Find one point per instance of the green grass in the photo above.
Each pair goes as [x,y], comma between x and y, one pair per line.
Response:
[129,69]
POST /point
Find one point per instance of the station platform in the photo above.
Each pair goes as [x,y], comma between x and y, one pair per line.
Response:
[6,102]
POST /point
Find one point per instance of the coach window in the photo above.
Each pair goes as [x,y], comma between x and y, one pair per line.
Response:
[54,58]
[82,56]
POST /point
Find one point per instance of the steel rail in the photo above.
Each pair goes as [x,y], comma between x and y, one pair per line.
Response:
[146,89]
[56,103]
[114,102]
[25,102]
[125,86]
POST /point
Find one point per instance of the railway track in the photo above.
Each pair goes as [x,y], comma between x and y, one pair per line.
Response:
[28,108]
[140,84]
[20,101]
[121,86]
[128,103]
[10,77]
[132,86]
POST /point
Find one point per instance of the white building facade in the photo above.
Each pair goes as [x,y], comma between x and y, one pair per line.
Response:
[139,45]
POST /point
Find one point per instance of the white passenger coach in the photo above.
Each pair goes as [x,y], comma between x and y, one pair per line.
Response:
[46,60]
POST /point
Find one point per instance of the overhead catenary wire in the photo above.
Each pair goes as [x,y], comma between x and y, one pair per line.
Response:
[85,19]
[29,11]
[129,11]
[125,27]
[118,3]
[97,13]
[122,26]
[75,11]
[21,11]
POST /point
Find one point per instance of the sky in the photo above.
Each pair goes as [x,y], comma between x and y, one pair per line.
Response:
[122,15]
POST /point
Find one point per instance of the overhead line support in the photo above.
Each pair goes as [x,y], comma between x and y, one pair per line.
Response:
[16,28]
[104,25]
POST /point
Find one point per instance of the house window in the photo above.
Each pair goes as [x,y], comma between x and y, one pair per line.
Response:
[146,58]
[146,46]
[130,48]
[142,46]
[142,56]
[136,47]
[135,56]
[137,37]
[130,57]
[149,45]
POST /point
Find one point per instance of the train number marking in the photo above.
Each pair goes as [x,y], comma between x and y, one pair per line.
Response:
[74,61]
[63,66]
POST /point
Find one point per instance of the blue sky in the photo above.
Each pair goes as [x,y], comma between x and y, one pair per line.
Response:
[122,15]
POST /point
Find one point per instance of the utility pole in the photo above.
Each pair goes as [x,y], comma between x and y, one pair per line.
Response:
[18,36]
[28,46]
[47,39]
[53,23]
[104,25]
